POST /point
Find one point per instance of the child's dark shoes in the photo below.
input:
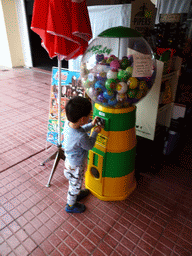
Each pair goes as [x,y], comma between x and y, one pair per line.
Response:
[76,208]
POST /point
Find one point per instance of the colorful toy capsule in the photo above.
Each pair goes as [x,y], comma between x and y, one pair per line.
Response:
[114,65]
[124,63]
[112,102]
[113,56]
[139,95]
[129,70]
[132,83]
[142,85]
[110,84]
[121,97]
[105,103]
[121,87]
[99,57]
[131,93]
[111,74]
[101,76]
[100,97]
[103,62]
[99,85]
[109,94]
[109,60]
[126,104]
[130,58]
[122,75]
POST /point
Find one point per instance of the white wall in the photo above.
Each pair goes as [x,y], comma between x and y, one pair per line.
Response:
[5,57]
[12,28]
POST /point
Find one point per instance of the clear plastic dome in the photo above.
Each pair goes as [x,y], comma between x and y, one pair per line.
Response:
[118,68]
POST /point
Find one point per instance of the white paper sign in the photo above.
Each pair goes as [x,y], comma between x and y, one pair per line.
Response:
[142,65]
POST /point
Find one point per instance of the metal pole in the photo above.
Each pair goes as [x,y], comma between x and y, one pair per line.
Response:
[119,49]
[59,100]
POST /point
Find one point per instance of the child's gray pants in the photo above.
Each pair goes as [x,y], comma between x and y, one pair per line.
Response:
[75,176]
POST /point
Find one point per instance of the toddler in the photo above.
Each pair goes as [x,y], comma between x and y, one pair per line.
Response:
[76,146]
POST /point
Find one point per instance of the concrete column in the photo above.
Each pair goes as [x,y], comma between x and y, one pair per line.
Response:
[11,54]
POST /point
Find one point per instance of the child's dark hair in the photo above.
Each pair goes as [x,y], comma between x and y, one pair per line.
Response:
[77,107]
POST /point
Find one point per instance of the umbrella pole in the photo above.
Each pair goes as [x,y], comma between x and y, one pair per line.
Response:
[59,101]
[60,153]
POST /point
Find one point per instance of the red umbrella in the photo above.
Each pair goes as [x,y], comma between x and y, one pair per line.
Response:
[64,28]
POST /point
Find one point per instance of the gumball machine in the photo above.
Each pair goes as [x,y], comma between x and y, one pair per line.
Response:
[117,70]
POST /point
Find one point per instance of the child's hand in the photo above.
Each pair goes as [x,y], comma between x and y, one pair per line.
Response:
[97,129]
[94,122]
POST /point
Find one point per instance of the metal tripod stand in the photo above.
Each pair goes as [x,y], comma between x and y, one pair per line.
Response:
[59,154]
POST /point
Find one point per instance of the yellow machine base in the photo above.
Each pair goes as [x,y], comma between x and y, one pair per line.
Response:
[112,189]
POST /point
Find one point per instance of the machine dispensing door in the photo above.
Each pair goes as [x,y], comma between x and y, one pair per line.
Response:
[93,176]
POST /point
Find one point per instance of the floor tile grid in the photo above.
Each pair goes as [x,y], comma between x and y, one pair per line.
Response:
[22,98]
[27,108]
[178,192]
[14,118]
[148,229]
[102,231]
[19,136]
[23,199]
[23,151]
[29,87]
[177,225]
[135,220]
[103,221]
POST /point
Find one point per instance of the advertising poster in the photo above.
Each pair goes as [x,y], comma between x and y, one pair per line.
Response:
[142,16]
[70,86]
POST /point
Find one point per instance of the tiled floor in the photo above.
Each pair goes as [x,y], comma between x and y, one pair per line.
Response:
[156,219]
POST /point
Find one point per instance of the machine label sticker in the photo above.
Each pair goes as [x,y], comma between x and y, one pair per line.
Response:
[101,114]
[102,140]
